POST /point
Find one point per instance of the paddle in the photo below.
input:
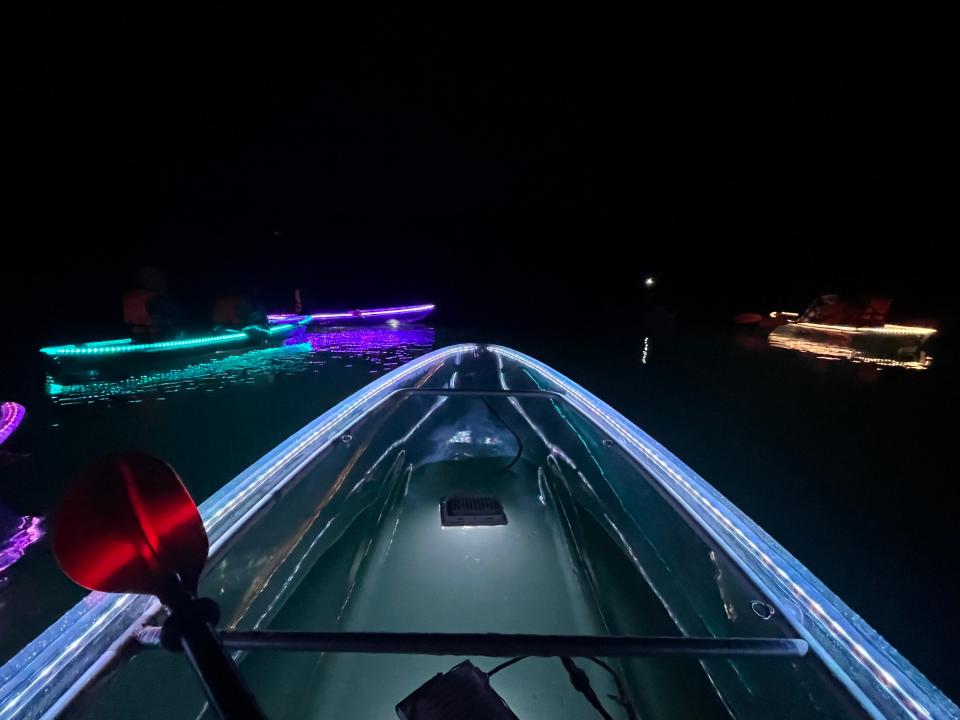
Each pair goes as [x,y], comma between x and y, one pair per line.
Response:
[129,525]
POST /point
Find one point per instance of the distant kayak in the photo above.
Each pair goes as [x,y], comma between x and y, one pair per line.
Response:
[831,328]
[129,352]
[885,345]
[372,316]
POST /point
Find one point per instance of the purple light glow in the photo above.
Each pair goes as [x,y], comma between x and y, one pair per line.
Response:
[27,533]
[11,415]
[384,346]
[408,313]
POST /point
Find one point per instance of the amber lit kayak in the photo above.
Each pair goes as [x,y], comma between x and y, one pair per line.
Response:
[885,345]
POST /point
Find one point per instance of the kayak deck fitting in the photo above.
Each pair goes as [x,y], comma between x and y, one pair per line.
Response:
[606,534]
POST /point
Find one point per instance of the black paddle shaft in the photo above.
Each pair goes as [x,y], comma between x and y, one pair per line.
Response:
[219,675]
[190,628]
[494,645]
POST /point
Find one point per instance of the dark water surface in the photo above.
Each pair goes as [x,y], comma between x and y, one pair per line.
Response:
[845,465]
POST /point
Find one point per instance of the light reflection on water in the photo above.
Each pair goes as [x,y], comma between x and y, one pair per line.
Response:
[841,347]
[16,535]
[383,347]
[388,347]
[207,375]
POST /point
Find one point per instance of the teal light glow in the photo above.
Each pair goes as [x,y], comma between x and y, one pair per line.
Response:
[273,329]
[105,343]
[217,373]
[117,347]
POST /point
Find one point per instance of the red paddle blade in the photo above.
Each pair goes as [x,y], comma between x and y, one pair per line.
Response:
[129,525]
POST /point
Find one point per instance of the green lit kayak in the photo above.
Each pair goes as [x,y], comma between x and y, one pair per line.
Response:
[476,490]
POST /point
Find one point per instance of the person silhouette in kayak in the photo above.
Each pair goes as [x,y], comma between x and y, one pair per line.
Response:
[237,310]
[148,310]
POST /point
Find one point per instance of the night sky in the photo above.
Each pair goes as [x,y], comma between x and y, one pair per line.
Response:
[520,167]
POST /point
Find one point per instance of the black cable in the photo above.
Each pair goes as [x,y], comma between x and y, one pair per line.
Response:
[580,681]
[506,664]
[621,697]
[512,432]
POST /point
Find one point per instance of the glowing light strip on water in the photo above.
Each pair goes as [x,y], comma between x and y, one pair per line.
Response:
[867,330]
[11,415]
[114,348]
[356,314]
[45,675]
[276,329]
[694,492]
[826,351]
[27,533]
[397,311]
[231,369]
[331,316]
[104,343]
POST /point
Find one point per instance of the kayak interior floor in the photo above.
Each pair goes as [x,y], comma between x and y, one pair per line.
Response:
[413,575]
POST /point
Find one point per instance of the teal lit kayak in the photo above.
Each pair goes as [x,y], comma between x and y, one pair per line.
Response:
[128,353]
[476,490]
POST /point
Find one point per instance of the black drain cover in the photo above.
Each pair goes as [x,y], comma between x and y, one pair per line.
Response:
[460,510]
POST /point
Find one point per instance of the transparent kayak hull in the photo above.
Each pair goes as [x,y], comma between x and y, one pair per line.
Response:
[606,533]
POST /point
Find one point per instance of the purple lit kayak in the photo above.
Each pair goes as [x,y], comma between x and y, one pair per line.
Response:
[406,313]
[11,415]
